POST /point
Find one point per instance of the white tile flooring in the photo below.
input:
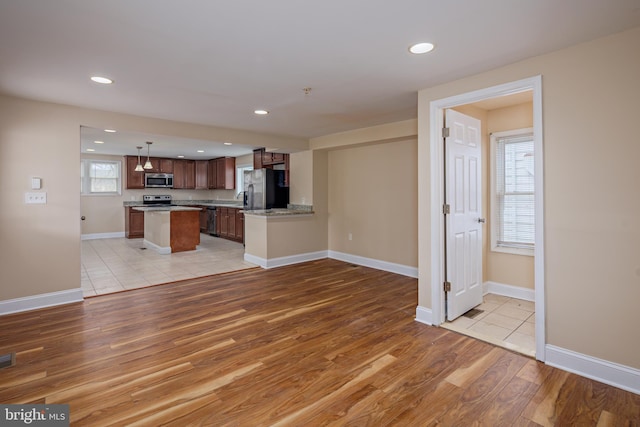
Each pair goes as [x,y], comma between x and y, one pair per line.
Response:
[507,322]
[114,265]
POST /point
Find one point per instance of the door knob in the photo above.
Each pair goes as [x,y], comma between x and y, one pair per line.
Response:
[482,220]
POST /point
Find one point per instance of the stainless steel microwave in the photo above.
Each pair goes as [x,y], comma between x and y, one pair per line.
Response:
[158,180]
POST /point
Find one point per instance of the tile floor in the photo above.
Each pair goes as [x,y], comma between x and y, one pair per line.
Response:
[114,265]
[507,322]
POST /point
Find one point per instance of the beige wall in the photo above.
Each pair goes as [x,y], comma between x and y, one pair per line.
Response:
[373,197]
[301,178]
[592,277]
[40,244]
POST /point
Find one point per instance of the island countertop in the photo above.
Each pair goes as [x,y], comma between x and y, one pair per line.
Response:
[164,208]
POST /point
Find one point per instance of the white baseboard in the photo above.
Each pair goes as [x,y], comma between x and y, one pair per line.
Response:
[95,236]
[162,250]
[40,301]
[509,291]
[286,260]
[611,373]
[354,259]
[391,267]
[424,315]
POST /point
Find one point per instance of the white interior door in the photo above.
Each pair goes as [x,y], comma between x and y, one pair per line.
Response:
[463,223]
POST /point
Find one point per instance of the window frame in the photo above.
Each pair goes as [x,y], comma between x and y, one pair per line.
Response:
[240,177]
[493,205]
[85,178]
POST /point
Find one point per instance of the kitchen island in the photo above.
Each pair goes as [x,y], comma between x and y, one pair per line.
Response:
[169,229]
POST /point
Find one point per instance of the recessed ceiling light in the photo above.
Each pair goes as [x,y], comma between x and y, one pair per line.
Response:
[110,130]
[90,149]
[98,142]
[200,151]
[420,48]
[102,80]
[227,143]
[261,112]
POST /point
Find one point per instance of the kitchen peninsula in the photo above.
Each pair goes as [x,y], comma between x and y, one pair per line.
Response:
[169,229]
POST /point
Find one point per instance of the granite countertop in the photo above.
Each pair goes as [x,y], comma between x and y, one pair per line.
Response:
[223,203]
[164,208]
[291,210]
[183,205]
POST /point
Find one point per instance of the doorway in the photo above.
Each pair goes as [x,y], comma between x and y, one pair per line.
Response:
[438,257]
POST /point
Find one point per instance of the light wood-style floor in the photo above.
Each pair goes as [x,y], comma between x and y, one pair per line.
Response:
[319,343]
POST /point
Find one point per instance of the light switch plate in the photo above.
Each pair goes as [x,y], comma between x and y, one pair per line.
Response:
[39,198]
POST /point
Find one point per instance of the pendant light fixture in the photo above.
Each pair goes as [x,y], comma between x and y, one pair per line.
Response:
[139,167]
[147,164]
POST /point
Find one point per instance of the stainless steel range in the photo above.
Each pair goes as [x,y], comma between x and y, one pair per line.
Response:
[157,200]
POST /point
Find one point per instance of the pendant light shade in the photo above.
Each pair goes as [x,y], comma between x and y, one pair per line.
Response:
[147,164]
[139,167]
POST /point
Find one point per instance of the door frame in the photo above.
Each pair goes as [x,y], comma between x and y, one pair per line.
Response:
[436,111]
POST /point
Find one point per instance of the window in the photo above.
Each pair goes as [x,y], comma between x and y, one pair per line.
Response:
[513,192]
[100,177]
[240,177]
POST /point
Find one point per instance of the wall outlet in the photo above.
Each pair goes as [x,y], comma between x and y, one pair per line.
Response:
[350,236]
[39,198]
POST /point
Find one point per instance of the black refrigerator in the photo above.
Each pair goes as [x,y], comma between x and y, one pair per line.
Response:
[265,189]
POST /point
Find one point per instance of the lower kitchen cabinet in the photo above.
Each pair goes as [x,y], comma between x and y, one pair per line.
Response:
[231,223]
[240,225]
[133,223]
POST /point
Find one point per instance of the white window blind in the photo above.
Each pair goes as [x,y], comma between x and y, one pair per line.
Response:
[100,177]
[513,191]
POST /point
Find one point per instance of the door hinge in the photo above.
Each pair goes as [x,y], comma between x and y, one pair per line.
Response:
[447,286]
[446,209]
[445,132]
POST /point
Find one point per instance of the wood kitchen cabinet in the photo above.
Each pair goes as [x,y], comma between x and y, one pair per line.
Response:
[135,180]
[239,225]
[202,174]
[230,224]
[184,174]
[257,158]
[222,173]
[133,223]
[160,165]
[264,159]
[222,222]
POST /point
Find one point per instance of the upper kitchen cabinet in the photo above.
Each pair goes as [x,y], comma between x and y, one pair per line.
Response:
[184,174]
[264,159]
[135,180]
[160,165]
[202,174]
[222,173]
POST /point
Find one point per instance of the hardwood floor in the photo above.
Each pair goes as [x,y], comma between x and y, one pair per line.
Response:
[320,343]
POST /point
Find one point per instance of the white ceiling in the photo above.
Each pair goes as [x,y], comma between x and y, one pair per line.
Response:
[213,62]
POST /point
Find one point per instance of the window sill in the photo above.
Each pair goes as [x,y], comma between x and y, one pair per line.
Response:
[513,251]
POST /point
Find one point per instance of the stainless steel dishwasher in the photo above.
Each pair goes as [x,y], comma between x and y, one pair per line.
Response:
[212,214]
